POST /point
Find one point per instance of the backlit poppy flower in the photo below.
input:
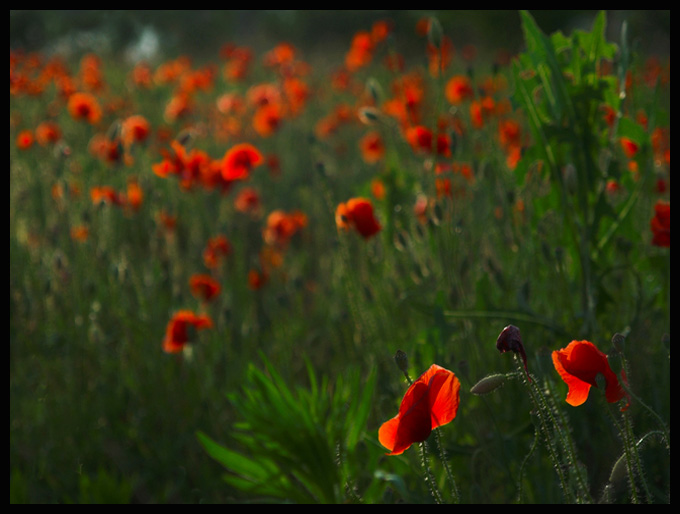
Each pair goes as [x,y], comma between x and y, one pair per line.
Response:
[177,330]
[430,402]
[204,286]
[84,107]
[579,365]
[357,213]
[661,224]
[239,161]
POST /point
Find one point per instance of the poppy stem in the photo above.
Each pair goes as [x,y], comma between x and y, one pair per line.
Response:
[429,477]
[449,475]
[550,425]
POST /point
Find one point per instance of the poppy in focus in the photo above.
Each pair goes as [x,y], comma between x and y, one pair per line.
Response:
[357,213]
[430,402]
[177,330]
[579,365]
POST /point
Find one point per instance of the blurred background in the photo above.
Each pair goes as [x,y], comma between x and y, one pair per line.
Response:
[160,34]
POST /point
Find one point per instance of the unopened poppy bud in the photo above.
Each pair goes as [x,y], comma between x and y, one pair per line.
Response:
[402,361]
[435,33]
[369,115]
[510,340]
[185,137]
[373,88]
[113,134]
[488,384]
[619,471]
[619,341]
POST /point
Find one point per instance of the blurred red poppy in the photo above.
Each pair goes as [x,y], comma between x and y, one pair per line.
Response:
[661,224]
[217,248]
[239,161]
[47,132]
[177,330]
[579,365]
[430,402]
[629,147]
[282,226]
[204,286]
[25,140]
[84,106]
[357,213]
[458,89]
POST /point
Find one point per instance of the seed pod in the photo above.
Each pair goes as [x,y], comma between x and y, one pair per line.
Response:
[488,384]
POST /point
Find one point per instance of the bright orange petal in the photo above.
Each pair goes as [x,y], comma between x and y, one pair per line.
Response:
[444,397]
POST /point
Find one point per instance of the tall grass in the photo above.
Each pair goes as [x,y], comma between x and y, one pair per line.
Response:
[534,210]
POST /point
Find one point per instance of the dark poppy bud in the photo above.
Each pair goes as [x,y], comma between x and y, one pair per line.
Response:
[402,361]
[510,340]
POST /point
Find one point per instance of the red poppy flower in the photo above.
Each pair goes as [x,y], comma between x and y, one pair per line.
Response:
[458,89]
[420,138]
[84,106]
[239,161]
[357,213]
[661,224]
[217,248]
[430,402]
[282,226]
[177,330]
[25,140]
[47,132]
[204,287]
[372,147]
[629,147]
[579,365]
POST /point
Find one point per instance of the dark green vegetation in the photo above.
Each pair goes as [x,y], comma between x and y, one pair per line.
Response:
[287,389]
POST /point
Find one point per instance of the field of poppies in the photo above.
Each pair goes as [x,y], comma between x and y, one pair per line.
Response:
[434,274]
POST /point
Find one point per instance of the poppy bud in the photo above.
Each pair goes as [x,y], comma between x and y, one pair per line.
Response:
[402,361]
[510,340]
[619,471]
[618,341]
[373,88]
[369,115]
[488,384]
[435,33]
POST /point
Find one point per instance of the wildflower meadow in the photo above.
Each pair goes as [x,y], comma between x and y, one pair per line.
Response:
[406,268]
